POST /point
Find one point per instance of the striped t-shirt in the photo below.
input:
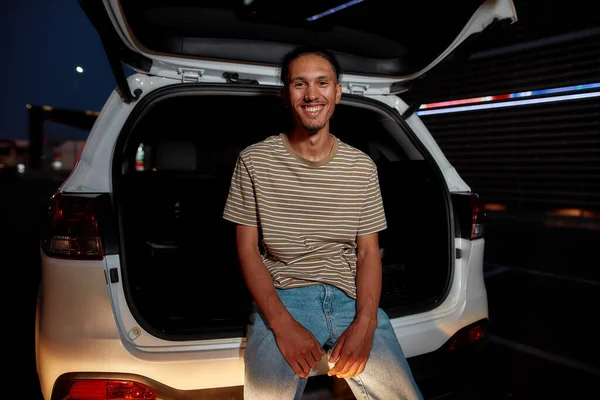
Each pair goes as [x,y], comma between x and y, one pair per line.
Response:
[309,213]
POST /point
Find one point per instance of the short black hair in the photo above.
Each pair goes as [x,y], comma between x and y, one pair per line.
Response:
[308,50]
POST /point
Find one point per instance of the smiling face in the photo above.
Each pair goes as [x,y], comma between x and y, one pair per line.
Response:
[312,92]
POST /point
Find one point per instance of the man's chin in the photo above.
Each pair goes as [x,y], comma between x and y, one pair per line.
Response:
[312,128]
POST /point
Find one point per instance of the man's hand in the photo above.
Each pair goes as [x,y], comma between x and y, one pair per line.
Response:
[352,350]
[298,346]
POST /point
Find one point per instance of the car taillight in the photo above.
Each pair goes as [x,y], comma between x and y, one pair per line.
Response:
[471,334]
[103,389]
[470,215]
[71,229]
[478,217]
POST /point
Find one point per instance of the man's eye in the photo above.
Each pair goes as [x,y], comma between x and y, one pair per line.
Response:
[323,83]
[298,84]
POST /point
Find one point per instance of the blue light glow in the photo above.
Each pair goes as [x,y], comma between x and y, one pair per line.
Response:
[498,97]
[335,9]
[510,103]
[556,90]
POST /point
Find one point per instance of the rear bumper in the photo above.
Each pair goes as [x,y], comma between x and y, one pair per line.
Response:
[448,369]
[77,336]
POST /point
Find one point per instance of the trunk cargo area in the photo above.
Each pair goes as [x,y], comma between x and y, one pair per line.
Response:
[172,169]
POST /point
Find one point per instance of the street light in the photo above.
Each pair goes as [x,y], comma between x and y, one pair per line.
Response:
[79,71]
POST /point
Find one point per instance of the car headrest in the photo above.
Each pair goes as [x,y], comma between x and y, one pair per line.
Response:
[177,155]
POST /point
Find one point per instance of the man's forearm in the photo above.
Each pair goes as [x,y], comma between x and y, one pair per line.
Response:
[368,284]
[260,284]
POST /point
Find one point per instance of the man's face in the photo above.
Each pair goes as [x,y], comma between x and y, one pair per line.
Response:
[312,91]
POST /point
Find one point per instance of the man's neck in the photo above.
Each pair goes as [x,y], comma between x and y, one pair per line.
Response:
[310,145]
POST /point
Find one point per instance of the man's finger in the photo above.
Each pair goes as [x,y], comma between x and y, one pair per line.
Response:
[298,370]
[337,348]
[305,366]
[345,368]
[317,355]
[350,372]
[337,368]
[361,368]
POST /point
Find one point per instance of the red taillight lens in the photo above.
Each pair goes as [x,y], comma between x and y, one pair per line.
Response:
[101,389]
[478,217]
[471,335]
[71,230]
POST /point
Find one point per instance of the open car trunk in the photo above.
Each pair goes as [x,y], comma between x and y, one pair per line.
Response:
[172,170]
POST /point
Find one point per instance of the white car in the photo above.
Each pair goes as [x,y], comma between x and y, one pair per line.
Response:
[141,295]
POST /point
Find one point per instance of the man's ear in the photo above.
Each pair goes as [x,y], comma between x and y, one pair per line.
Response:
[338,93]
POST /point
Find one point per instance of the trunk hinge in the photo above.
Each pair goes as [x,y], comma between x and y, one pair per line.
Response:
[190,75]
[358,88]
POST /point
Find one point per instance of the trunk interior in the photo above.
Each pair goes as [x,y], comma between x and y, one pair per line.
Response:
[171,178]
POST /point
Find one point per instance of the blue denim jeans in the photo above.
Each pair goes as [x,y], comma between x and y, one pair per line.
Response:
[327,312]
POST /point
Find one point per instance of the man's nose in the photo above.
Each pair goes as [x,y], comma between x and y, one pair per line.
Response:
[311,94]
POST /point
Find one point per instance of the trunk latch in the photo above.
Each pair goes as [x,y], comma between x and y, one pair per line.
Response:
[190,75]
[358,88]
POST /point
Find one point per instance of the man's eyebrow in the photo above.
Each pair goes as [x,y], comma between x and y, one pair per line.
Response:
[301,78]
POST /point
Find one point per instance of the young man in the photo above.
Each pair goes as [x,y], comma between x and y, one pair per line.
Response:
[308,211]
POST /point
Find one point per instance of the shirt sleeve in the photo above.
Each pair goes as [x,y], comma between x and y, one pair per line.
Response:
[240,206]
[372,218]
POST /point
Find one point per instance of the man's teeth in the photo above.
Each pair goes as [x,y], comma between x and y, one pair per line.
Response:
[313,109]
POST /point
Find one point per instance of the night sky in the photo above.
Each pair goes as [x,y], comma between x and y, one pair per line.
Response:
[42,44]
